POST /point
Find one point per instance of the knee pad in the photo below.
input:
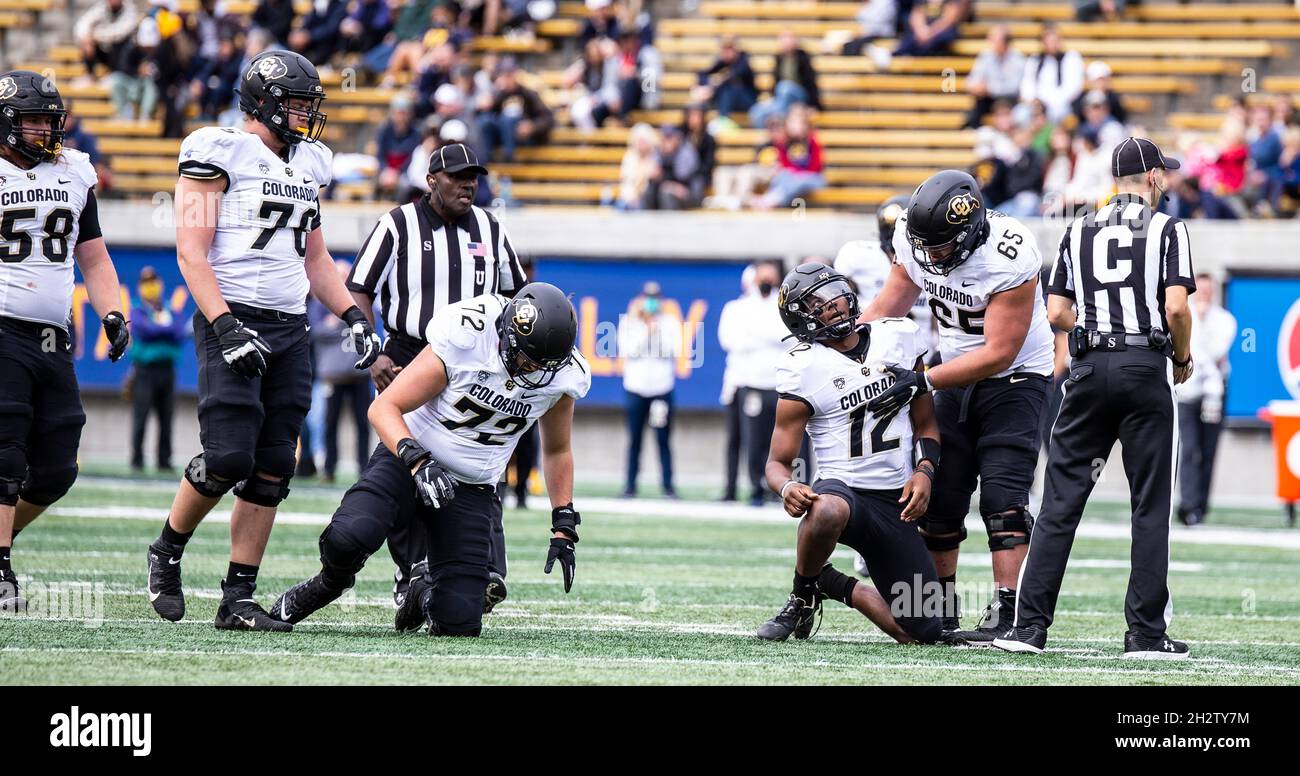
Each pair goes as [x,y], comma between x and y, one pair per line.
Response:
[949,540]
[9,489]
[262,491]
[214,475]
[45,488]
[1016,519]
[280,461]
[456,606]
[339,554]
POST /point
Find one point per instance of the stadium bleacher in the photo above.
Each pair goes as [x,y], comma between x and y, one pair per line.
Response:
[883,130]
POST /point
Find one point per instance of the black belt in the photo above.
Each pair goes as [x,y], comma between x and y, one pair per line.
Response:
[37,330]
[1085,340]
[247,311]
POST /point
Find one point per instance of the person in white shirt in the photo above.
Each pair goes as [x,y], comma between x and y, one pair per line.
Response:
[1055,76]
[727,398]
[753,337]
[649,341]
[1200,400]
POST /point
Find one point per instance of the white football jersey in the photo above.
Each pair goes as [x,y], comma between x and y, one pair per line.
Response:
[863,262]
[268,209]
[40,223]
[1007,259]
[473,425]
[850,444]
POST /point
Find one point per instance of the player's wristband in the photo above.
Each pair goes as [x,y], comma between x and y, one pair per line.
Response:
[1181,364]
[353,316]
[927,469]
[925,449]
[566,520]
[412,452]
[787,484]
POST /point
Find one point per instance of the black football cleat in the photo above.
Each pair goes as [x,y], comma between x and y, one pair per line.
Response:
[305,599]
[11,595]
[402,580]
[240,611]
[1137,647]
[1026,639]
[411,614]
[999,616]
[495,592]
[796,618]
[165,593]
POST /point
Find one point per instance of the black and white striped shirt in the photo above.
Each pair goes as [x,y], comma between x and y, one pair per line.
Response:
[1115,265]
[416,263]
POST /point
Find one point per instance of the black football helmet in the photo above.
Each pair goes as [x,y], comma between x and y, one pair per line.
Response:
[27,95]
[946,221]
[538,329]
[274,78]
[886,218]
[807,293]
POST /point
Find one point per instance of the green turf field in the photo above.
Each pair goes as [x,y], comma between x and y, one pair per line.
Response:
[663,595]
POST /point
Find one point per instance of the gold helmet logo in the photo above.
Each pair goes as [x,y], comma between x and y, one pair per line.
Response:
[525,317]
[960,208]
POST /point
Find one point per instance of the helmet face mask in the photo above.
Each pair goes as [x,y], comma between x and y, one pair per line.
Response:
[818,304]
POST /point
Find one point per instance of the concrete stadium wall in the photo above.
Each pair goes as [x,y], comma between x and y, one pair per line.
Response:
[1245,471]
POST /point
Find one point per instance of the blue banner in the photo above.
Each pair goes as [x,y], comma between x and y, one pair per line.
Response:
[1265,362]
[694,292]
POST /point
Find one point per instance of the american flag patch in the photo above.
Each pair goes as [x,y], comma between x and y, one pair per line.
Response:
[476,249]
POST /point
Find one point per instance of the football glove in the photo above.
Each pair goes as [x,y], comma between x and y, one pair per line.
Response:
[908,386]
[432,482]
[365,342]
[243,349]
[119,336]
[562,550]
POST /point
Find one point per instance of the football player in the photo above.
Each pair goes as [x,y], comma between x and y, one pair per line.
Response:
[980,272]
[450,421]
[874,474]
[47,215]
[250,247]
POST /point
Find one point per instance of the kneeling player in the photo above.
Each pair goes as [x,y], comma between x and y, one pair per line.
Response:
[867,493]
[449,423]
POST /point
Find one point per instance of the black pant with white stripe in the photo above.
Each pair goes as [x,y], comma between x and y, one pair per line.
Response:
[1109,396]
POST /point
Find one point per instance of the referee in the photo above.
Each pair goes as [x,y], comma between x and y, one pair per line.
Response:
[419,257]
[1127,270]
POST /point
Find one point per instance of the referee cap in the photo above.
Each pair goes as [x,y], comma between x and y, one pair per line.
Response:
[454,158]
[1137,155]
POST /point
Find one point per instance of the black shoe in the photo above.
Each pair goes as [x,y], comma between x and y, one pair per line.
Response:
[797,617]
[239,611]
[306,598]
[998,617]
[402,582]
[1137,647]
[165,593]
[495,592]
[411,614]
[1029,639]
[11,596]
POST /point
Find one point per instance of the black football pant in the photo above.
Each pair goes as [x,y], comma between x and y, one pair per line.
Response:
[1125,396]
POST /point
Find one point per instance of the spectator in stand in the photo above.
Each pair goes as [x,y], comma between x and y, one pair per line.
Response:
[516,117]
[639,163]
[601,22]
[1221,172]
[695,127]
[636,72]
[315,35]
[367,24]
[132,89]
[1264,179]
[158,331]
[1059,169]
[1284,112]
[794,79]
[1091,10]
[169,63]
[276,17]
[729,83]
[434,72]
[203,28]
[1289,161]
[216,91]
[1096,116]
[1091,182]
[799,164]
[450,105]
[734,185]
[996,74]
[1055,76]
[394,142]
[76,136]
[876,19]
[1098,80]
[925,35]
[1019,189]
[676,182]
[649,339]
[592,83]
[994,140]
[401,49]
[104,31]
